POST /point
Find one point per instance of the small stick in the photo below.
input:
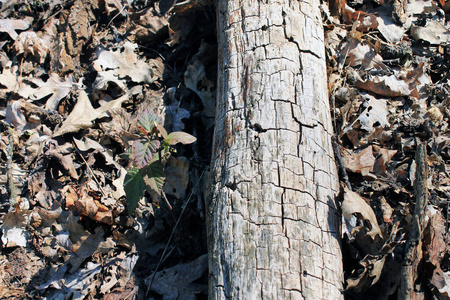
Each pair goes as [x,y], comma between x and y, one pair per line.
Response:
[413,254]
[337,154]
[92,172]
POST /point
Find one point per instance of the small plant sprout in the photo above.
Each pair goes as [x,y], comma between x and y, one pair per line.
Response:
[149,155]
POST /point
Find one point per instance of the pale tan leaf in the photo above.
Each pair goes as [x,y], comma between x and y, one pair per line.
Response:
[125,64]
[11,25]
[83,114]
[355,204]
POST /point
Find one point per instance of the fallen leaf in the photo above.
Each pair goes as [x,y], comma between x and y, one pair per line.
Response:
[372,268]
[83,114]
[433,32]
[362,54]
[29,44]
[361,162]
[177,177]
[124,63]
[355,204]
[55,87]
[11,25]
[387,210]
[434,250]
[13,228]
[177,282]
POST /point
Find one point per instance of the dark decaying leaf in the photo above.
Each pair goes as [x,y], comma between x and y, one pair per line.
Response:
[134,186]
[154,176]
[180,137]
[144,150]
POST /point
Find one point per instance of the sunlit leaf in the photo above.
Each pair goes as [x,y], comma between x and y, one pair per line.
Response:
[144,150]
[134,186]
[180,137]
[162,131]
[146,121]
[154,176]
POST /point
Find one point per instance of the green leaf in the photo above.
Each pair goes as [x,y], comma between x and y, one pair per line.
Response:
[144,150]
[146,121]
[154,176]
[180,137]
[134,186]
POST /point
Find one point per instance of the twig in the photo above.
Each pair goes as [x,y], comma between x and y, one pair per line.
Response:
[9,167]
[413,254]
[92,172]
[337,155]
[172,234]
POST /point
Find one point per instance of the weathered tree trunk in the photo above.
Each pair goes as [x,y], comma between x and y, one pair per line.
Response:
[272,219]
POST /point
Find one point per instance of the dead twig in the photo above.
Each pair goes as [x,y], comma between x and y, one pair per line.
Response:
[92,172]
[413,250]
[337,155]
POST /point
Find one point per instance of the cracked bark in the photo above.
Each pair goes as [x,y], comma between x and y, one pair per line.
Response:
[273,226]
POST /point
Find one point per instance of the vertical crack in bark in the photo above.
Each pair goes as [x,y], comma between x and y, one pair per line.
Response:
[264,225]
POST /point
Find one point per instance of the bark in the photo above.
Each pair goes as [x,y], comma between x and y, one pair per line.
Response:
[273,226]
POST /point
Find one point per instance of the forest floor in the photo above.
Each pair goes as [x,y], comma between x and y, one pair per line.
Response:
[76,75]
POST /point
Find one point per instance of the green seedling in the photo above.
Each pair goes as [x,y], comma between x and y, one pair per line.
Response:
[149,155]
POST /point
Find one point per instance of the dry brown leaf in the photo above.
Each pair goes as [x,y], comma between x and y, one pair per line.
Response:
[355,204]
[362,54]
[364,21]
[177,177]
[387,210]
[63,154]
[83,114]
[361,162]
[373,266]
[434,249]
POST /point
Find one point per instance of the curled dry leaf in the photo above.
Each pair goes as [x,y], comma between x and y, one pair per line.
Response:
[387,210]
[373,266]
[354,204]
[30,44]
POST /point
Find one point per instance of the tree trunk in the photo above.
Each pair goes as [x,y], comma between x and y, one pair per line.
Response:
[273,226]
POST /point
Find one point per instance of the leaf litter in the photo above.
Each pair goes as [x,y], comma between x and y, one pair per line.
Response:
[389,89]
[74,79]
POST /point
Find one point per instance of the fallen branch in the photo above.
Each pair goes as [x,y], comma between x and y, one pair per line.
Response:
[413,250]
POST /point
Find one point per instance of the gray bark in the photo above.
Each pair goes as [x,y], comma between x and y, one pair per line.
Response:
[273,226]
